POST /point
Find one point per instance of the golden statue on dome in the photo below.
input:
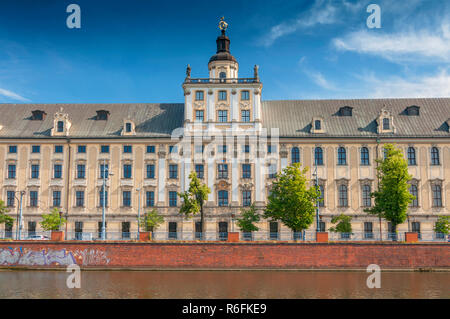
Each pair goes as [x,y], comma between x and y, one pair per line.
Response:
[223,25]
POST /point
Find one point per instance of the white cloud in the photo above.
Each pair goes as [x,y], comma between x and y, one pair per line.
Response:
[424,45]
[320,80]
[321,13]
[437,85]
[12,95]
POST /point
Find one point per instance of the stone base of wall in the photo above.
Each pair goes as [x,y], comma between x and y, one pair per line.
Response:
[225,255]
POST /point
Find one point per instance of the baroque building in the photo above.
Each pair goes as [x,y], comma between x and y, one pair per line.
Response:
[57,155]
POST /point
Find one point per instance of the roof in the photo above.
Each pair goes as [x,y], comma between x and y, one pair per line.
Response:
[294,117]
[151,120]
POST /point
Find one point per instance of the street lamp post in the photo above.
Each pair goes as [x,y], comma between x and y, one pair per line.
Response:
[20,214]
[60,217]
[105,177]
[317,201]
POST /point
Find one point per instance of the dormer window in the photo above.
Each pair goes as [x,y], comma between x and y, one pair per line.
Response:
[128,127]
[412,110]
[102,115]
[386,124]
[38,115]
[317,124]
[60,126]
[346,111]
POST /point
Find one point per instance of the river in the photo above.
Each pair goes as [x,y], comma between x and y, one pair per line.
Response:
[223,284]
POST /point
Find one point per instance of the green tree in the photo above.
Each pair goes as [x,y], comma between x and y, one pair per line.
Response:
[344,224]
[291,201]
[442,225]
[194,198]
[151,220]
[392,197]
[8,220]
[248,218]
[52,221]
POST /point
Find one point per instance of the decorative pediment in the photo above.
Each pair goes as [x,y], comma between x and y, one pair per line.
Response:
[244,105]
[221,105]
[199,104]
[223,184]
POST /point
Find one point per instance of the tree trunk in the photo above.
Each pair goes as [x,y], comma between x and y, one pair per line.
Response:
[201,222]
[394,231]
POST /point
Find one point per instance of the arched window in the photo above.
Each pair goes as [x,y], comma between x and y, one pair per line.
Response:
[318,156]
[364,156]
[342,156]
[435,156]
[343,198]
[222,75]
[414,191]
[437,195]
[411,156]
[366,199]
[295,155]
[223,198]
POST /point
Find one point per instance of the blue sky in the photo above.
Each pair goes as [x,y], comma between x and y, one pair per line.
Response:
[137,50]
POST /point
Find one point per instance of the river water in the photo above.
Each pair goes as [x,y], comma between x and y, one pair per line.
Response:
[223,284]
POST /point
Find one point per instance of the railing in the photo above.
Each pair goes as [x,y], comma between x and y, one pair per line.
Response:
[284,236]
[225,80]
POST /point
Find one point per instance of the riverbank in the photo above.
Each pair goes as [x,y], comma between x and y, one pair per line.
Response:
[220,256]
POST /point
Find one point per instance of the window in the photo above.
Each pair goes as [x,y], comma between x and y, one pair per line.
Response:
[104,149]
[199,148]
[199,115]
[31,229]
[222,170]
[322,196]
[35,171]
[172,199]
[81,171]
[128,127]
[58,148]
[199,96]
[33,198]
[102,115]
[246,148]
[246,198]
[366,198]
[126,230]
[150,198]
[10,198]
[126,197]
[101,197]
[173,230]
[56,198]
[38,115]
[386,124]
[127,149]
[11,171]
[342,156]
[222,148]
[272,170]
[437,195]
[127,171]
[199,169]
[150,171]
[364,156]
[150,148]
[317,124]
[245,115]
[435,156]
[81,148]
[345,111]
[222,95]
[245,95]
[411,156]
[295,155]
[57,171]
[368,230]
[173,149]
[12,149]
[104,171]
[271,149]
[35,149]
[79,198]
[414,191]
[343,196]
[415,227]
[318,156]
[100,229]
[60,127]
[173,171]
[273,229]
[223,116]
[246,171]
[223,198]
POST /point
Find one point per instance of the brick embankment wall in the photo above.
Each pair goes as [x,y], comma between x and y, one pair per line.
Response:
[224,255]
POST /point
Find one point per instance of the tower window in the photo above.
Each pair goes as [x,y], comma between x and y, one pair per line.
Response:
[245,95]
[173,171]
[199,115]
[223,198]
[222,75]
[223,116]
[245,114]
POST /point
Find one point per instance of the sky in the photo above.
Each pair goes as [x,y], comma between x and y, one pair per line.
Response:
[136,51]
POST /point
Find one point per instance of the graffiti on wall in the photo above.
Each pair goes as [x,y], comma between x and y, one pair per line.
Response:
[46,257]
